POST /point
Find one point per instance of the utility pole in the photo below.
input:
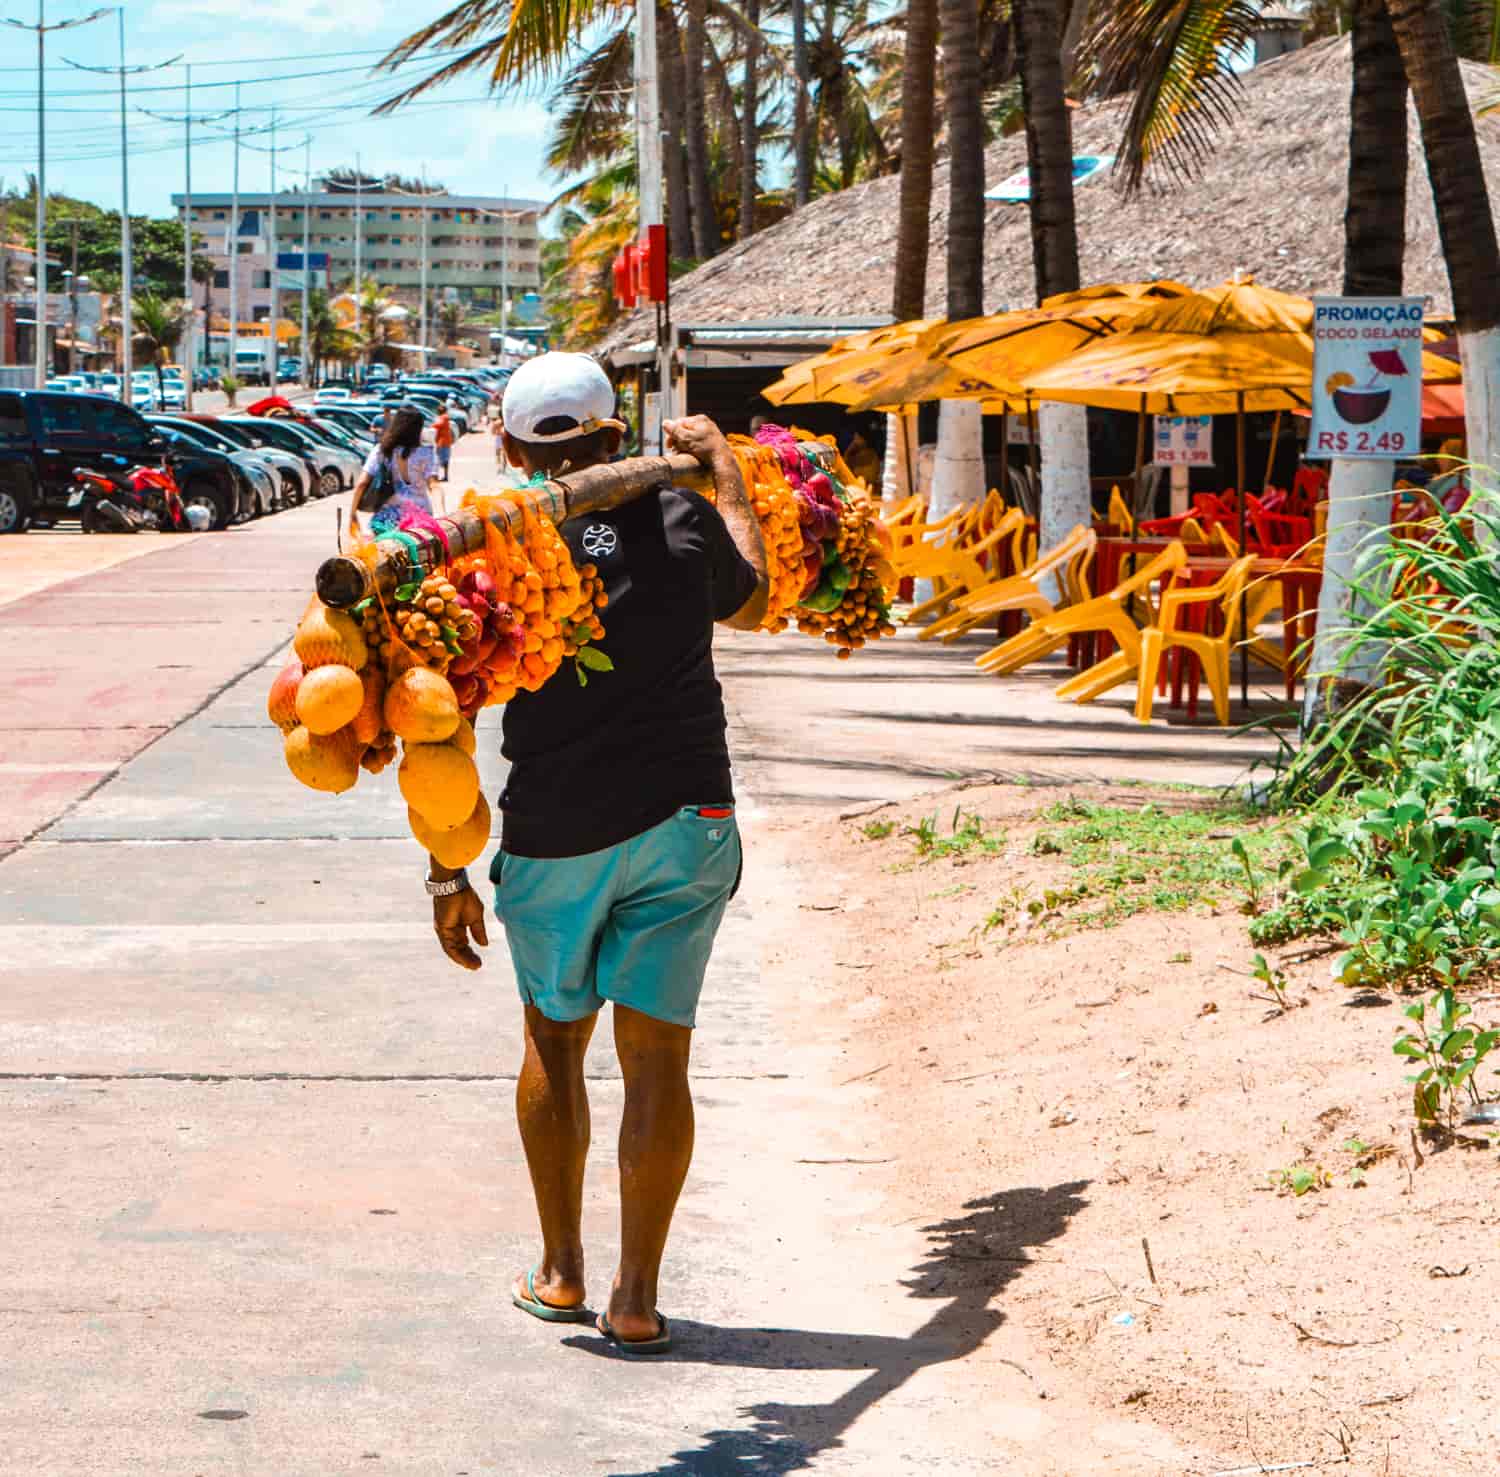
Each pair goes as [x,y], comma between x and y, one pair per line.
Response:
[306,265]
[234,248]
[505,260]
[39,310]
[73,291]
[423,359]
[126,272]
[274,251]
[190,352]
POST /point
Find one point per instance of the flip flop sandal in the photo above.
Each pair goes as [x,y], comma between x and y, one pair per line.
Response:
[532,1304]
[637,1348]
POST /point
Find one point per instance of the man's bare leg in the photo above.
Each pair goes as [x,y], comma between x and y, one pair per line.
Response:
[552,1107]
[656,1147]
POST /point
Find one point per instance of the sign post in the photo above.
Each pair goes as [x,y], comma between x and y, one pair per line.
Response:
[1367,378]
[1182,442]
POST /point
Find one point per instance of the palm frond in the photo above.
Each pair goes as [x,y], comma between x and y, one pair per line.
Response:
[592,118]
[517,42]
[1175,56]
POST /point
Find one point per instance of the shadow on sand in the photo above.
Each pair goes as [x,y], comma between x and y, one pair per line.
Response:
[972,1259]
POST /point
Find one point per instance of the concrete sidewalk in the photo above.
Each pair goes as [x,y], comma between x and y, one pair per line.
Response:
[265,1196]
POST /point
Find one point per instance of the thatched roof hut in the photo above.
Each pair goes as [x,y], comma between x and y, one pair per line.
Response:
[1270,201]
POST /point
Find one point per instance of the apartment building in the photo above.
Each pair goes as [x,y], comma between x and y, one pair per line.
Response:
[477,246]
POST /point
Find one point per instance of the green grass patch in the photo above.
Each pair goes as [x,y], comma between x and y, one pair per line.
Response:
[1138,859]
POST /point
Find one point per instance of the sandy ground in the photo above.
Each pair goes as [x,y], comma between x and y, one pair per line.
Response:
[1085,1097]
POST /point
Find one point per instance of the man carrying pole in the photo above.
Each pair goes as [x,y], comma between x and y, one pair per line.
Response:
[619,850]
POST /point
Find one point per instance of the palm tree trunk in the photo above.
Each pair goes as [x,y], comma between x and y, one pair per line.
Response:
[802,142]
[750,124]
[695,130]
[914,224]
[958,468]
[679,206]
[1063,429]
[1374,251]
[1465,224]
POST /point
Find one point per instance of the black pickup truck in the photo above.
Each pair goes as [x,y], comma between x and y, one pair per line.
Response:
[45,434]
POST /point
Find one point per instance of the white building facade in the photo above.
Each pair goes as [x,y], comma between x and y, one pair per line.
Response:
[477,248]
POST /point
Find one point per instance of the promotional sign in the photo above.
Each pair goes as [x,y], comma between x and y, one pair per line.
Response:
[1184,441]
[1367,377]
[1017,187]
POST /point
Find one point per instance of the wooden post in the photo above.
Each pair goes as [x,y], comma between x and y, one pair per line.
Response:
[1265,486]
[1140,461]
[343,581]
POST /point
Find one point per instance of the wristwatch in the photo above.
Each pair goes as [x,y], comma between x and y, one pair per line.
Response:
[457,883]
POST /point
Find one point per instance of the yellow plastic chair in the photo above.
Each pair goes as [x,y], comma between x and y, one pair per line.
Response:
[961,572]
[1120,515]
[913,541]
[1191,532]
[1107,613]
[1020,591]
[1213,652]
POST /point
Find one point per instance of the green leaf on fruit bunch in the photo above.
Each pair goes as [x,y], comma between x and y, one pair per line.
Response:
[362,606]
[451,641]
[405,593]
[583,677]
[594,659]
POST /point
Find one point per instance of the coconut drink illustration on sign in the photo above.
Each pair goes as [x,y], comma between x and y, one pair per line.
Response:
[1360,404]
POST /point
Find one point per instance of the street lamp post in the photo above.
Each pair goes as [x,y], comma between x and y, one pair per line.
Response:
[126,272]
[273,151]
[306,243]
[39,297]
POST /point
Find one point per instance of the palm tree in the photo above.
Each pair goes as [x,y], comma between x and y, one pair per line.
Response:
[695,125]
[327,337]
[1374,251]
[158,326]
[918,109]
[802,139]
[450,319]
[958,470]
[1462,199]
[750,123]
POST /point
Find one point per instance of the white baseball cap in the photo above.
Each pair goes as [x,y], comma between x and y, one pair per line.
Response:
[559,387]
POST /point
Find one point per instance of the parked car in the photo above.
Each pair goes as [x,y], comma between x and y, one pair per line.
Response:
[363,425]
[173,392]
[205,379]
[256,482]
[43,436]
[109,384]
[332,395]
[338,468]
[299,472]
[377,373]
[278,480]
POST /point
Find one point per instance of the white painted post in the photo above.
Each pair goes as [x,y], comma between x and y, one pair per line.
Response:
[1480,355]
[958,471]
[1359,520]
[1064,433]
[900,456]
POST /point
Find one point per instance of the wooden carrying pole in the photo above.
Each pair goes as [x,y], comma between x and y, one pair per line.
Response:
[343,581]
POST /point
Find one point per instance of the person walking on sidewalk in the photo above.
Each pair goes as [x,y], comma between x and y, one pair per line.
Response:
[619,850]
[442,439]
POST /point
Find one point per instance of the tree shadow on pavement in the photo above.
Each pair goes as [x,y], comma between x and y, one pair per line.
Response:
[971,1261]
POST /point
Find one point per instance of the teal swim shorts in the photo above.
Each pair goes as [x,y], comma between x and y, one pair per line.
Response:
[633,924]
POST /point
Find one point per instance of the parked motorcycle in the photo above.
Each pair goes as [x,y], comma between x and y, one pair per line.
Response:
[131,500]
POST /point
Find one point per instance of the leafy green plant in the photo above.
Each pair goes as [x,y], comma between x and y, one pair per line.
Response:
[1299,1179]
[1273,979]
[966,834]
[1399,790]
[1449,1055]
[877,830]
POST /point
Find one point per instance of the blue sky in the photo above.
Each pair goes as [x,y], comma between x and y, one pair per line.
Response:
[472,144]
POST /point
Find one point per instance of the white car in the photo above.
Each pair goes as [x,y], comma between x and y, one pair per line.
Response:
[172,394]
[109,384]
[333,395]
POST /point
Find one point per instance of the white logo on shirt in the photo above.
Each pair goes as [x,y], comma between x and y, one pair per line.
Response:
[600,540]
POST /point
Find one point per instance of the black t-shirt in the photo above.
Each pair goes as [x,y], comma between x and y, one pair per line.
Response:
[593,765]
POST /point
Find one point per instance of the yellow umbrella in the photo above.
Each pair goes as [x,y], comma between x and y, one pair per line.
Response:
[819,378]
[991,357]
[1234,348]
